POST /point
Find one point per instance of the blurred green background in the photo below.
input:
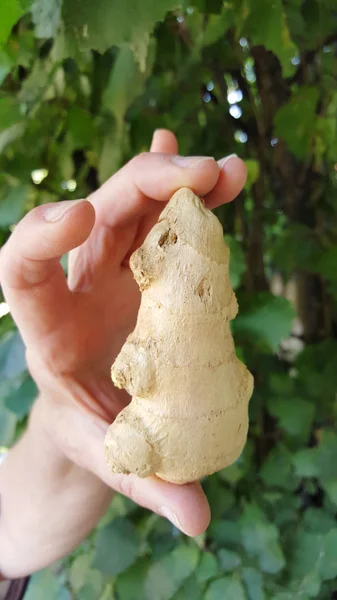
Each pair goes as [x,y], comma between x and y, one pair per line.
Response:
[83,86]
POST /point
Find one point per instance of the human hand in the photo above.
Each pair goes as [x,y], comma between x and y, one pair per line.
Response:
[74,329]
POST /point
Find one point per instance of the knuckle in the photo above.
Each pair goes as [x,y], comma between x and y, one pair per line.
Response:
[138,161]
[127,487]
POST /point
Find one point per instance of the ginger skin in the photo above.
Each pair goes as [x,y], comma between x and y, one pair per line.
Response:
[189,413]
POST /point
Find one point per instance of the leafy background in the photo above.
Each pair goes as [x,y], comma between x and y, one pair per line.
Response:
[83,86]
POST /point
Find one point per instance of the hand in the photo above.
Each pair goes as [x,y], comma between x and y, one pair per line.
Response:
[74,329]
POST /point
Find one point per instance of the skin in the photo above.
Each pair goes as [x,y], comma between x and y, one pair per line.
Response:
[73,330]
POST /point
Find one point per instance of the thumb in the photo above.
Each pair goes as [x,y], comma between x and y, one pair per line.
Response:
[32,277]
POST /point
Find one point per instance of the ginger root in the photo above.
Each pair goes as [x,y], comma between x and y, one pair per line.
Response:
[189,413]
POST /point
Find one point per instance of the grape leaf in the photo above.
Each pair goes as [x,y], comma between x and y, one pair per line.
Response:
[237,262]
[295,121]
[116,547]
[207,568]
[12,205]
[10,12]
[253,582]
[42,585]
[327,564]
[12,356]
[130,584]
[167,575]
[9,112]
[6,64]
[228,559]
[265,23]
[107,23]
[267,317]
[7,426]
[306,552]
[260,539]
[225,588]
[295,415]
[20,400]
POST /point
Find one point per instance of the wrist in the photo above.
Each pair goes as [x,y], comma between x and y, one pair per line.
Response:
[40,433]
[34,534]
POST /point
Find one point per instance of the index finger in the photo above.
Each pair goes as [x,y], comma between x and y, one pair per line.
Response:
[149,178]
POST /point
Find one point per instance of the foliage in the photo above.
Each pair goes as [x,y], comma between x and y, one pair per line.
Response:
[83,86]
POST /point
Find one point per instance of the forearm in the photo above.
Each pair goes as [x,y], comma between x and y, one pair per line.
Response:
[48,504]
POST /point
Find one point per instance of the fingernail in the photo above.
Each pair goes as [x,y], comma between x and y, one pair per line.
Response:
[223,161]
[166,512]
[190,162]
[55,213]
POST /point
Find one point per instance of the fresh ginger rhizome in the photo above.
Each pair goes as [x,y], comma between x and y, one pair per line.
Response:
[189,411]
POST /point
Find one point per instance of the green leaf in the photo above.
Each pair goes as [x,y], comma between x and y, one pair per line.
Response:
[253,172]
[254,583]
[25,4]
[225,532]
[304,563]
[225,588]
[304,462]
[317,520]
[80,127]
[12,356]
[260,539]
[92,589]
[296,248]
[326,265]
[237,262]
[12,205]
[267,317]
[7,426]
[113,23]
[167,575]
[277,469]
[79,570]
[295,415]
[21,400]
[288,596]
[326,455]
[217,26]
[131,583]
[63,594]
[5,65]
[10,13]
[330,488]
[232,474]
[190,590]
[42,585]
[208,567]
[110,159]
[8,136]
[265,23]
[34,87]
[9,112]
[295,121]
[124,85]
[228,560]
[116,547]
[327,564]
[220,498]
[22,48]
[46,17]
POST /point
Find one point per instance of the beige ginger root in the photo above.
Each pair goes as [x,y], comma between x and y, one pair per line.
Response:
[189,413]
